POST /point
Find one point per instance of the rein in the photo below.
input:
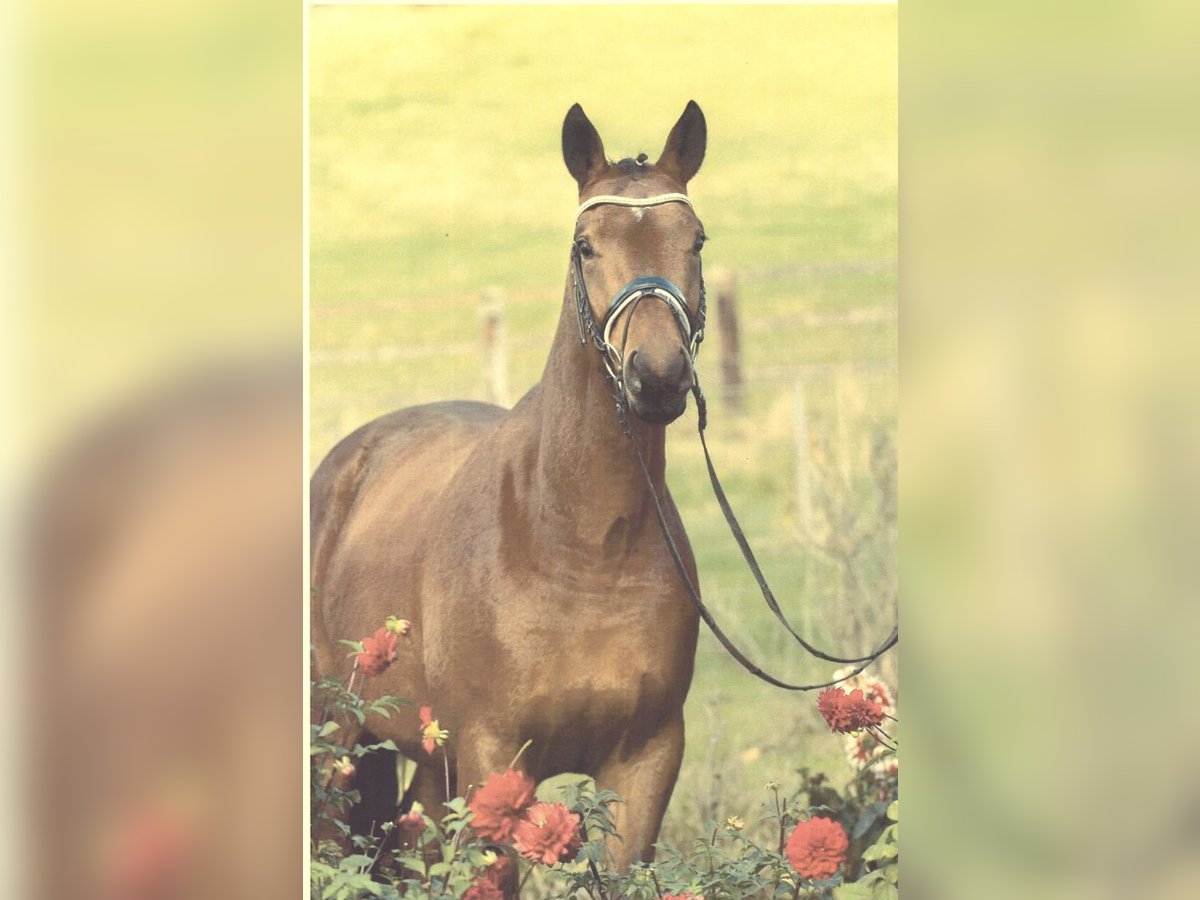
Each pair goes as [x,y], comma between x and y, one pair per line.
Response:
[661,289]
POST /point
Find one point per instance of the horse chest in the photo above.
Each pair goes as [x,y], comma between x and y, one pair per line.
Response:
[597,662]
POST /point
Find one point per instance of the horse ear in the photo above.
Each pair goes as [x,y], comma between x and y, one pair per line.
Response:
[583,151]
[684,151]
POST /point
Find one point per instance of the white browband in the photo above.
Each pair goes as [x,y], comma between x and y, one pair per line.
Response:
[614,200]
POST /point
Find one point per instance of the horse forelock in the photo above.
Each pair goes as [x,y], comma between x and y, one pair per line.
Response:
[634,168]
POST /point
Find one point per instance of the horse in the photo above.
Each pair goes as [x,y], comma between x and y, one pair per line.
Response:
[523,544]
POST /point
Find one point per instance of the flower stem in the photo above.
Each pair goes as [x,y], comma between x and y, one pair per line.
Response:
[657,886]
[779,816]
[524,747]
[599,883]
[881,740]
[378,850]
[446,764]
[524,878]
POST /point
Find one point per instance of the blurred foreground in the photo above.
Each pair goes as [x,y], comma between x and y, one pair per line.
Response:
[165,574]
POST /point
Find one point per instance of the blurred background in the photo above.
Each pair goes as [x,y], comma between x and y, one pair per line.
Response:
[153,466]
[441,220]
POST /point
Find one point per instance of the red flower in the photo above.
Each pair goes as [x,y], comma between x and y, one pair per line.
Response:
[432,734]
[848,713]
[682,897]
[817,848]
[483,890]
[413,821]
[499,803]
[863,712]
[379,651]
[831,704]
[548,833]
[494,881]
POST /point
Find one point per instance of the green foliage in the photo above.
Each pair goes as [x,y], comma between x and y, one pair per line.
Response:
[728,860]
[882,880]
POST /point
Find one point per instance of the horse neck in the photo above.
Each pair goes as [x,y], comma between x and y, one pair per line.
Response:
[587,475]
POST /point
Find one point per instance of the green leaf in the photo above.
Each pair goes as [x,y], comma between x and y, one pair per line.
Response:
[327,729]
[893,811]
[854,891]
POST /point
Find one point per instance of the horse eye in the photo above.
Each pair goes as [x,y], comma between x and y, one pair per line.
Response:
[699,245]
[585,248]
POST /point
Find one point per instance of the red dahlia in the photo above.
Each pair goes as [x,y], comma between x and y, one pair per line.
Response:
[379,651]
[494,881]
[499,803]
[817,848]
[548,833]
[863,712]
[848,713]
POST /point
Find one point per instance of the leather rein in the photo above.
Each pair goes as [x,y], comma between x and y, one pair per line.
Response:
[663,290]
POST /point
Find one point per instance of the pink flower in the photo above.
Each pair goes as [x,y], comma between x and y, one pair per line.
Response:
[379,652]
[682,897]
[817,848]
[548,833]
[499,803]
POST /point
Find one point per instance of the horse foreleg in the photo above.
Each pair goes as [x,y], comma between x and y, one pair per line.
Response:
[644,780]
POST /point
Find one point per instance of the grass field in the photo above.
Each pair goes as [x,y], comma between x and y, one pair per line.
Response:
[436,171]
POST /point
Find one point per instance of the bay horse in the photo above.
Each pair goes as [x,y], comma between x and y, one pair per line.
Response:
[523,544]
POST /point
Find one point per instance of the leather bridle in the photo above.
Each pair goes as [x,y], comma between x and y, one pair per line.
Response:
[630,296]
[661,289]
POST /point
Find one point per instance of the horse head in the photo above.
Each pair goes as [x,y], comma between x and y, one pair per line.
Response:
[636,262]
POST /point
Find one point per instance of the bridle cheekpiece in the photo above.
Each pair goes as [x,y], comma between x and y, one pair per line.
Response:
[632,294]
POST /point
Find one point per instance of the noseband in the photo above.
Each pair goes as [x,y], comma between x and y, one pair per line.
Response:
[631,295]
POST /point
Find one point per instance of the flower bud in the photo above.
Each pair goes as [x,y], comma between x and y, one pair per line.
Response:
[402,627]
[345,767]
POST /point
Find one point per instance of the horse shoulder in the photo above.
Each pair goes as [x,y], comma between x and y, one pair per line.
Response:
[373,499]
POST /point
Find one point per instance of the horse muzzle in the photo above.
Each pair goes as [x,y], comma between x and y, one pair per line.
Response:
[658,394]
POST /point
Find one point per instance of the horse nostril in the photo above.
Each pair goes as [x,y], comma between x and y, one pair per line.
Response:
[669,381]
[633,379]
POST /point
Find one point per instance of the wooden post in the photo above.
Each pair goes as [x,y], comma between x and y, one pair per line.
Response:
[495,361]
[724,285]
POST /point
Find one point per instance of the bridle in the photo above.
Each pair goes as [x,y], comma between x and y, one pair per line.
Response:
[661,289]
[649,288]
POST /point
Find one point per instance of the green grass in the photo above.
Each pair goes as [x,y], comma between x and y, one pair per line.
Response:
[436,171]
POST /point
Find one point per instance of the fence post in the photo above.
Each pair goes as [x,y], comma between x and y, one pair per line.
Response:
[724,285]
[495,360]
